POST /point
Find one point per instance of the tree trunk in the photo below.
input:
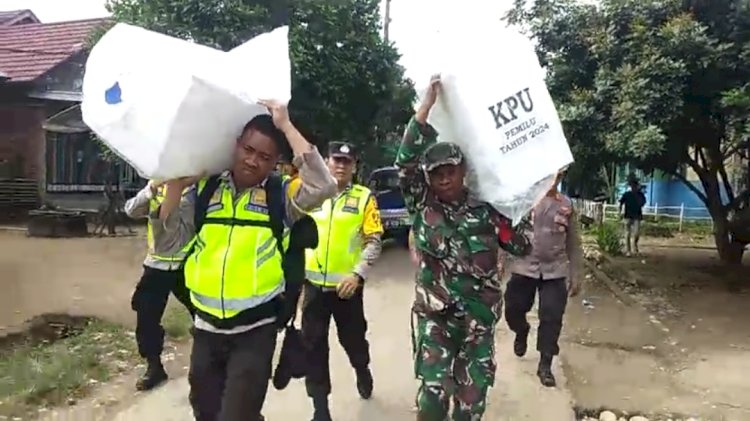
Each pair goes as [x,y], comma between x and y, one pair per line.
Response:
[730,251]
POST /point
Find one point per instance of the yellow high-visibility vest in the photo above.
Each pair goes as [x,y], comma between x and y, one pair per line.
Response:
[339,223]
[235,265]
[153,205]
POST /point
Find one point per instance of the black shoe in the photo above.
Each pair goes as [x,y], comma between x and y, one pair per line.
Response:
[322,413]
[364,382]
[544,372]
[520,345]
[154,376]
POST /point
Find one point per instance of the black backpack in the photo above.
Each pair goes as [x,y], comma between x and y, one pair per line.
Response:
[303,235]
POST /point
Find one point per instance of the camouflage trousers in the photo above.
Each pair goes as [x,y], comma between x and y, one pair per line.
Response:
[454,357]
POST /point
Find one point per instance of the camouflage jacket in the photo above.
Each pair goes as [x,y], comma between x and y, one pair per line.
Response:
[459,244]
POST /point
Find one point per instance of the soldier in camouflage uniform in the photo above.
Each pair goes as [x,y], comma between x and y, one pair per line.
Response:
[458,299]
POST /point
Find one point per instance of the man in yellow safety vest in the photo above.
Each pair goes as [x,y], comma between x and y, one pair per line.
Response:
[162,274]
[236,272]
[349,230]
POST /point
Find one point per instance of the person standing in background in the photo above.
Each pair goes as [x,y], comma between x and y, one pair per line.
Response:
[552,269]
[162,275]
[631,211]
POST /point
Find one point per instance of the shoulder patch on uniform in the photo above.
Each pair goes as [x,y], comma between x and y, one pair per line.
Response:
[258,198]
[351,204]
[257,202]
[215,203]
[216,197]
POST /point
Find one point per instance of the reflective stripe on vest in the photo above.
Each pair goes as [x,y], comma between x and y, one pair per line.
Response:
[339,223]
[153,205]
[236,265]
[235,304]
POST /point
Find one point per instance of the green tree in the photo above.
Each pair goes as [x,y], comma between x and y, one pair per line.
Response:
[347,84]
[658,84]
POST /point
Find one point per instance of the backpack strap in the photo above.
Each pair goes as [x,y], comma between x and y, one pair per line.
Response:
[201,203]
[274,197]
[275,200]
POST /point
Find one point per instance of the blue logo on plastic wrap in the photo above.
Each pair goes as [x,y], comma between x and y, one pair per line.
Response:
[113,95]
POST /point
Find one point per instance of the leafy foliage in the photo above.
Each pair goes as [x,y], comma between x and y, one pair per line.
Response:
[609,238]
[657,84]
[347,84]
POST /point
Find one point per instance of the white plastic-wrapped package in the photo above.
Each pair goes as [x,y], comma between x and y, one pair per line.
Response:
[173,108]
[495,105]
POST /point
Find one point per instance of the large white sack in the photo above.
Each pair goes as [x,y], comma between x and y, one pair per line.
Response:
[496,106]
[180,105]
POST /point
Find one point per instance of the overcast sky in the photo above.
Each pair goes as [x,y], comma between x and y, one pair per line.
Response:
[411,21]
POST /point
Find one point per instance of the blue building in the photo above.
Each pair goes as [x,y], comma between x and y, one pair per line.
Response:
[666,193]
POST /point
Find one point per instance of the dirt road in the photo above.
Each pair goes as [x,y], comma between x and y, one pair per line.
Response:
[517,395]
[683,350]
[80,276]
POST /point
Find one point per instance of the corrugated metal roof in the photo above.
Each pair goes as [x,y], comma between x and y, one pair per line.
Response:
[28,51]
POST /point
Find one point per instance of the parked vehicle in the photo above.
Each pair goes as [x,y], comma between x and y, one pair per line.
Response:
[383,183]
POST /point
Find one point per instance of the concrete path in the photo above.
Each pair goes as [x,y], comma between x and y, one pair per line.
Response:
[517,394]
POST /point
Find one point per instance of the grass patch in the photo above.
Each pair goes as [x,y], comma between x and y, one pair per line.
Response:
[50,373]
[176,322]
[608,237]
[664,227]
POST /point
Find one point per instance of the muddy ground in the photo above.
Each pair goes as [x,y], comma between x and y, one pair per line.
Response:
[87,276]
[679,344]
[675,342]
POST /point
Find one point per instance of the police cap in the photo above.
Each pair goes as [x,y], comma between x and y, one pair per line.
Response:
[342,149]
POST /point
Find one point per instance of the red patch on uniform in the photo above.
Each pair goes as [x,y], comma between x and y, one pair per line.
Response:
[505,233]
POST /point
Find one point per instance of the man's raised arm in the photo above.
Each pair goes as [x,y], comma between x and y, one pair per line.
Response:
[418,136]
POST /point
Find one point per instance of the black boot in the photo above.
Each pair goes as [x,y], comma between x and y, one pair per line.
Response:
[364,382]
[320,405]
[545,371]
[520,344]
[154,376]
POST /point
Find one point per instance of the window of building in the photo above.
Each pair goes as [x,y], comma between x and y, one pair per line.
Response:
[74,163]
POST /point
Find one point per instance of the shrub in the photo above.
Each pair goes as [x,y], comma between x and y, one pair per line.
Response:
[609,238]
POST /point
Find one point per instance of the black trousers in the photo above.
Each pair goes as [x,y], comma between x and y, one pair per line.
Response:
[149,301]
[553,297]
[229,373]
[317,308]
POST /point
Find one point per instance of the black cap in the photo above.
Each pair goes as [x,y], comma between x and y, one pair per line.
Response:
[342,149]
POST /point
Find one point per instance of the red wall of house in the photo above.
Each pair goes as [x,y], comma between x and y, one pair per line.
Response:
[22,140]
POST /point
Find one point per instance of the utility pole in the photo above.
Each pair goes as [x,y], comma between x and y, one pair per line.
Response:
[387,20]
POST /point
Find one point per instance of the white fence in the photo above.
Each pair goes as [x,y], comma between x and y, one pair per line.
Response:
[600,212]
